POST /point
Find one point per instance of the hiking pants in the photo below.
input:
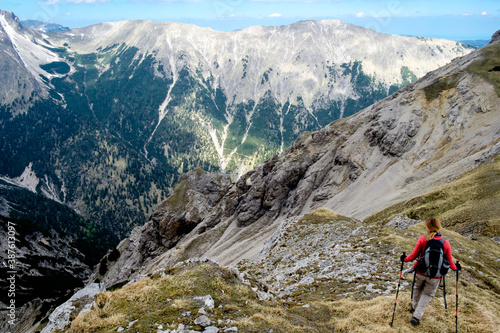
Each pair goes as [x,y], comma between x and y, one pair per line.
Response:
[425,289]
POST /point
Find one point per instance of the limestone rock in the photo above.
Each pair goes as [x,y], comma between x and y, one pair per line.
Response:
[495,37]
[59,318]
[207,301]
[203,321]
[402,222]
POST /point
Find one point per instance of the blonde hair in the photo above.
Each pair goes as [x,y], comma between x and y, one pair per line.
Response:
[434,226]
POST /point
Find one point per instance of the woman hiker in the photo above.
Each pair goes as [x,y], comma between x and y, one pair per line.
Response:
[425,287]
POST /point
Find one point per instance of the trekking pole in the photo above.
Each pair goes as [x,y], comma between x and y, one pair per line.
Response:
[413,283]
[456,307]
[444,292]
[397,292]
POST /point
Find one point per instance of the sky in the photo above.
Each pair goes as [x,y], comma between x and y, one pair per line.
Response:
[451,19]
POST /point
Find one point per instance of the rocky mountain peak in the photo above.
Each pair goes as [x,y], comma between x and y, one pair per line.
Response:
[495,37]
[11,19]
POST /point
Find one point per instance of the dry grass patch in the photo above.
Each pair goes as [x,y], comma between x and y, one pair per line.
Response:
[166,300]
[321,215]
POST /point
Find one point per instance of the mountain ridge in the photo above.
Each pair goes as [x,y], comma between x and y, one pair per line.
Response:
[426,135]
[43,26]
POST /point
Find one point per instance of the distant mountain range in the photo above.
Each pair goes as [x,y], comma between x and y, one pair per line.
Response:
[104,118]
[476,42]
[43,26]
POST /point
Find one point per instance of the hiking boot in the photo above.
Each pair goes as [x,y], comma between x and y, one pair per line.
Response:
[414,321]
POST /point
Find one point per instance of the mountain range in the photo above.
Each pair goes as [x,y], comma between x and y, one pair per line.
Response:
[311,238]
[99,123]
[104,118]
[42,26]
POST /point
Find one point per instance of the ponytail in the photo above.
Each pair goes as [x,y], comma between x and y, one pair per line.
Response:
[434,226]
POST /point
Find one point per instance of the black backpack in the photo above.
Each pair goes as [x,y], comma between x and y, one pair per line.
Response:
[432,263]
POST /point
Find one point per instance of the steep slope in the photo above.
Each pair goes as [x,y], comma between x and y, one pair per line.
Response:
[106,117]
[405,145]
[18,80]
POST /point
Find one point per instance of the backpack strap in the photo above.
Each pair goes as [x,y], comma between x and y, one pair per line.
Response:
[442,240]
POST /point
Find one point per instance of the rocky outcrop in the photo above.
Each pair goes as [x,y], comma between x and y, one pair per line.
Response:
[495,37]
[18,83]
[192,201]
[61,316]
[45,268]
[323,246]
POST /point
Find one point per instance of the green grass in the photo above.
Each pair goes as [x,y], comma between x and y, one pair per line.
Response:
[57,67]
[444,83]
[165,300]
[487,67]
[470,200]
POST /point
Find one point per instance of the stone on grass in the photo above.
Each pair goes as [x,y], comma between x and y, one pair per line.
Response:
[203,321]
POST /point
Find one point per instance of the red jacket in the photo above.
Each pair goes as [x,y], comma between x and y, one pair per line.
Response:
[420,246]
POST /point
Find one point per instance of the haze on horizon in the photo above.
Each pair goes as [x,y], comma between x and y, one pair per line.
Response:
[449,19]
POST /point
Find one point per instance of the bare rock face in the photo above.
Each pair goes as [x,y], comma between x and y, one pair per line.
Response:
[17,81]
[196,194]
[495,37]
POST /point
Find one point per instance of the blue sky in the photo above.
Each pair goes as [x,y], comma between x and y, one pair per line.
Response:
[455,19]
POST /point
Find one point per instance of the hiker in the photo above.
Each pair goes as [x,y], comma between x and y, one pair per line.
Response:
[426,286]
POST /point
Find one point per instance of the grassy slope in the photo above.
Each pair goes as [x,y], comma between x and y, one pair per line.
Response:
[165,300]
[468,204]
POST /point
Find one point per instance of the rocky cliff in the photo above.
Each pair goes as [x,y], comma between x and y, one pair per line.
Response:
[44,268]
[419,138]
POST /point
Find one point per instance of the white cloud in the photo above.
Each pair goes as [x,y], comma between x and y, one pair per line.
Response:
[466,14]
[86,1]
[275,15]
[360,14]
[48,3]
[169,1]
[304,1]
[484,13]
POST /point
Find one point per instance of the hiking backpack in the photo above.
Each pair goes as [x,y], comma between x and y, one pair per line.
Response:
[432,263]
